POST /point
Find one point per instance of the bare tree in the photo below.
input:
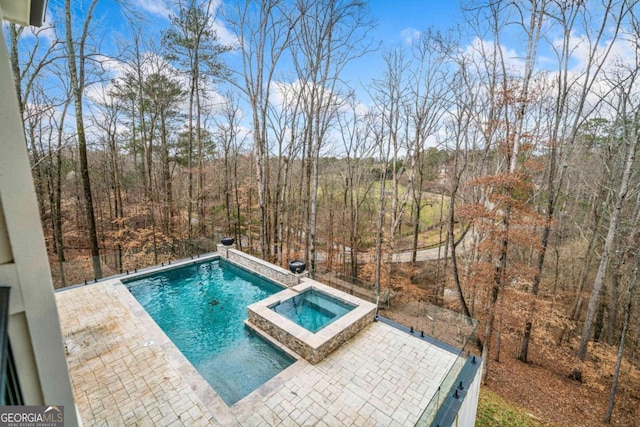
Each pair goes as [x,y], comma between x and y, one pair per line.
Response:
[229,138]
[106,114]
[460,126]
[627,119]
[76,60]
[628,304]
[285,125]
[192,42]
[358,151]
[391,138]
[429,86]
[264,29]
[571,109]
[328,35]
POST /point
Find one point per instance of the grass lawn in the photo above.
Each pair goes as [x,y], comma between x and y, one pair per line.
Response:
[494,411]
[434,205]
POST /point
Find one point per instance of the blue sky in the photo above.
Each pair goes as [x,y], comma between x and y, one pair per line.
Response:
[397,19]
[397,22]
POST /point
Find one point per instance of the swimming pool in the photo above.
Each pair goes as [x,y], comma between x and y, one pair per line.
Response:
[312,309]
[202,307]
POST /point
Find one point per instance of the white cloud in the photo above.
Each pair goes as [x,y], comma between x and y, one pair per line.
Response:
[225,36]
[213,100]
[150,64]
[409,35]
[162,9]
[284,95]
[113,66]
[481,50]
[158,8]
[620,60]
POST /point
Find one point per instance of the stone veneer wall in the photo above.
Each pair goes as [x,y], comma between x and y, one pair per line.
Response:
[261,267]
[343,336]
[313,355]
[281,336]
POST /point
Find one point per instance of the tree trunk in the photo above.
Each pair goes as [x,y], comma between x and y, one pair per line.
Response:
[598,324]
[58,196]
[14,34]
[454,258]
[190,161]
[613,300]
[313,209]
[76,78]
[498,283]
[612,232]
[166,178]
[200,143]
[379,233]
[577,305]
[623,336]
[416,232]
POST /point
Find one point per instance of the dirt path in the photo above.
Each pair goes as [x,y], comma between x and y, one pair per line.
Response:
[422,255]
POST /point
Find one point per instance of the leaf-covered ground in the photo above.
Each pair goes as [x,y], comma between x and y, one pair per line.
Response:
[543,388]
[538,392]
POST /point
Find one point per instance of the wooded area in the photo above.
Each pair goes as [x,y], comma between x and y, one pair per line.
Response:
[522,165]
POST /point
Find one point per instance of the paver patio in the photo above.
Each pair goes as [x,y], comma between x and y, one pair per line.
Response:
[125,371]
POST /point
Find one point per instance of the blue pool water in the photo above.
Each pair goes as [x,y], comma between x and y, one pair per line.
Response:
[202,307]
[312,309]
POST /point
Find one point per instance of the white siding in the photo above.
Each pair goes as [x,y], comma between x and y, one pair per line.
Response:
[34,327]
[467,413]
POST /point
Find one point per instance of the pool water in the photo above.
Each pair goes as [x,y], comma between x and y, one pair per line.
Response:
[202,307]
[312,309]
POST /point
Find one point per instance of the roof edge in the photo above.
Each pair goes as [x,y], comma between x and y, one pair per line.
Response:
[38,10]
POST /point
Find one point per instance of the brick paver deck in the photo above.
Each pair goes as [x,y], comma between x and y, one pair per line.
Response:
[125,371]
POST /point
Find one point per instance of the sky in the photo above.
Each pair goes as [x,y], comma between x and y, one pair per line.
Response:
[397,23]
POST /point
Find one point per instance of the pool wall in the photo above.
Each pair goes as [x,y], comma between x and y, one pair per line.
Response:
[311,346]
[260,266]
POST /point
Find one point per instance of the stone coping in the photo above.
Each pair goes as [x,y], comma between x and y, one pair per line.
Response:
[147,271]
[312,346]
[260,266]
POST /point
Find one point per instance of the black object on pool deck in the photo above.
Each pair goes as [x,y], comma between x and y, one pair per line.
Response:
[297,266]
[227,241]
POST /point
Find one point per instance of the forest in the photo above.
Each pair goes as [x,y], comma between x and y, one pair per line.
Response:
[507,140]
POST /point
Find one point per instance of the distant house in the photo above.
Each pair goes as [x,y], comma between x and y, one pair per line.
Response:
[34,366]
[442,178]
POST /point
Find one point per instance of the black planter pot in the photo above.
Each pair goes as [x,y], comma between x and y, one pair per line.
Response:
[297,266]
[227,241]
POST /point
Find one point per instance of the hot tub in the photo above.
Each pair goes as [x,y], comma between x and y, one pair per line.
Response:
[311,319]
[312,309]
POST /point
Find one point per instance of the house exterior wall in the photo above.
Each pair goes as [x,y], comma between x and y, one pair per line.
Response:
[467,413]
[34,327]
